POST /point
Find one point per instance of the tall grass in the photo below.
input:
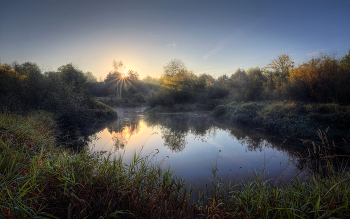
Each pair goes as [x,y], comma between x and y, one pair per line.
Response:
[39,179]
[324,192]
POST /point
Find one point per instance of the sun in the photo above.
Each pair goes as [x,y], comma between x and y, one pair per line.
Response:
[120,81]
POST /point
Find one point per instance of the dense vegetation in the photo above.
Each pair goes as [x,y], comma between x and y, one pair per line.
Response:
[280,98]
[294,119]
[118,89]
[24,88]
[323,79]
[40,180]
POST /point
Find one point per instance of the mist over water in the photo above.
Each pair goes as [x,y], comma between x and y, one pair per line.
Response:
[192,144]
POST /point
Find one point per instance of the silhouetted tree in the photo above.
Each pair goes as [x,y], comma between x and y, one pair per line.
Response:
[72,75]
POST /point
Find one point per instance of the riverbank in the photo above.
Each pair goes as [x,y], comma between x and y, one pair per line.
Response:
[136,101]
[40,178]
[176,108]
[290,119]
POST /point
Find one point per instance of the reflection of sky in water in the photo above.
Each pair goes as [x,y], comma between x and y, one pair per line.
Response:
[190,145]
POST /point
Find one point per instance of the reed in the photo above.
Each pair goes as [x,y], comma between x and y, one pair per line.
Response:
[39,179]
[323,192]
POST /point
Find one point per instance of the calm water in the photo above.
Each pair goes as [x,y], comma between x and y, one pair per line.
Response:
[191,144]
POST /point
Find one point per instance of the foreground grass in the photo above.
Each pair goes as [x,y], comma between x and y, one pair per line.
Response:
[323,192]
[39,179]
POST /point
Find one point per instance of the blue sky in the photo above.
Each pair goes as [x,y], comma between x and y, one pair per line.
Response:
[214,37]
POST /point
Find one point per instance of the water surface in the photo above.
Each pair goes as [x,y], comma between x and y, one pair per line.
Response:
[193,143]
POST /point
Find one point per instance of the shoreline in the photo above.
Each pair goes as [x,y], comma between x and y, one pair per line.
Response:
[289,119]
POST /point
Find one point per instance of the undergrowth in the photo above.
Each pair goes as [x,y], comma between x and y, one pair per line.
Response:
[324,192]
[39,179]
[289,118]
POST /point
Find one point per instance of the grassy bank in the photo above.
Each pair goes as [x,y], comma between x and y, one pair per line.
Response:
[40,179]
[100,112]
[137,100]
[76,121]
[175,108]
[289,118]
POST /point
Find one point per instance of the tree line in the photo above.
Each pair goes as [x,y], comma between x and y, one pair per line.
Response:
[322,79]
[69,92]
[65,92]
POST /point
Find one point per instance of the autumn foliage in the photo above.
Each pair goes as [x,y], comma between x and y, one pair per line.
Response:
[322,79]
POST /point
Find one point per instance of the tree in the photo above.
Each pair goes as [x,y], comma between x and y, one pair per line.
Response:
[319,78]
[150,80]
[117,79]
[118,66]
[345,62]
[90,77]
[133,76]
[238,80]
[70,74]
[177,82]
[11,82]
[277,73]
[223,80]
[176,76]
[282,64]
[203,82]
[174,67]
[35,86]
[254,86]
[113,77]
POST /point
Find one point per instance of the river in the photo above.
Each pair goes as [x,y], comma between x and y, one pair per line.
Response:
[192,144]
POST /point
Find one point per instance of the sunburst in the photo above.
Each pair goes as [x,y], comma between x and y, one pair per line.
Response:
[121,80]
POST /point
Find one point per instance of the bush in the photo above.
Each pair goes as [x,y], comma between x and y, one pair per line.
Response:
[302,120]
[216,92]
[219,111]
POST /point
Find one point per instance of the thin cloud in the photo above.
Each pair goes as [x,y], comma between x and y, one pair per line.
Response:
[172,45]
[315,53]
[219,70]
[210,71]
[156,36]
[235,37]
[222,44]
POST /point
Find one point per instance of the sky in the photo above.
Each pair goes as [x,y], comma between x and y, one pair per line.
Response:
[214,37]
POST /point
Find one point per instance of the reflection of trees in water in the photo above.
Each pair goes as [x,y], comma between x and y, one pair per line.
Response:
[175,129]
[303,154]
[175,140]
[254,144]
[254,140]
[124,127]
